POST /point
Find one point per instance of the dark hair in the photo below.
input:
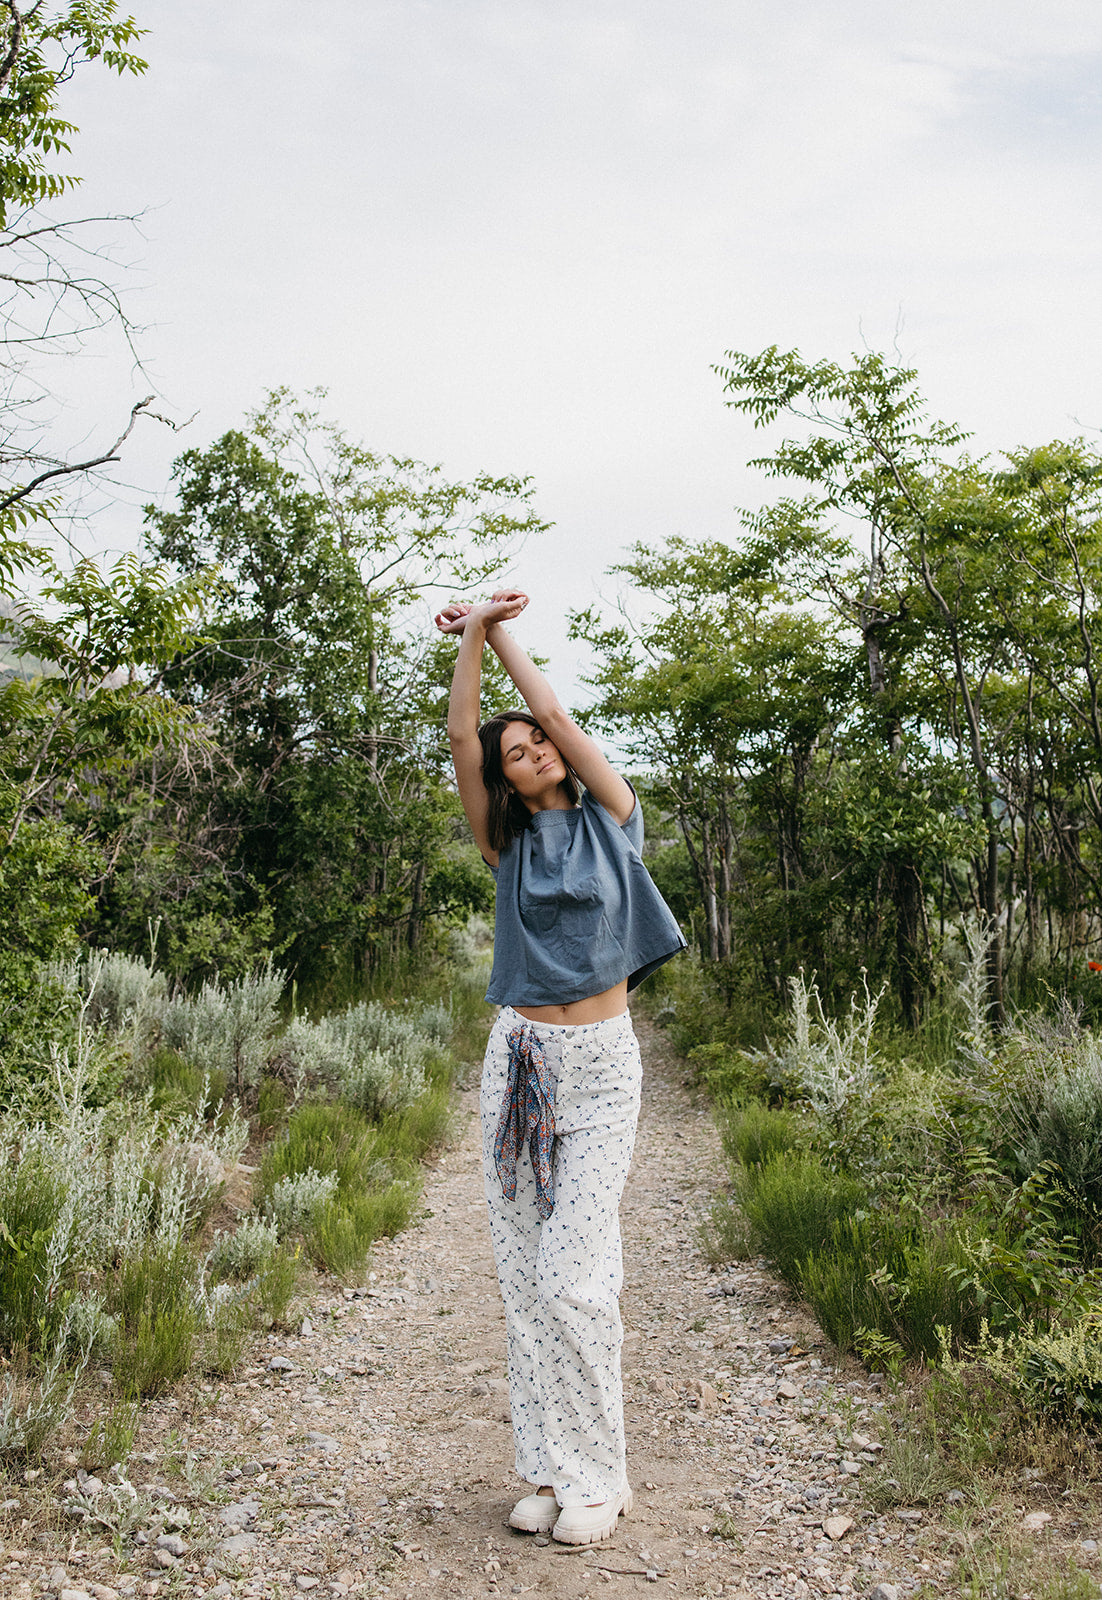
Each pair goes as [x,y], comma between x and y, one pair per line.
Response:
[508,814]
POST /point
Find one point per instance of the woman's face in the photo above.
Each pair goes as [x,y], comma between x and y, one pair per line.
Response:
[532,765]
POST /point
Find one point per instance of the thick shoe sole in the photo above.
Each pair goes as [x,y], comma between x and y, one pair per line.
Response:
[597,1531]
[533,1518]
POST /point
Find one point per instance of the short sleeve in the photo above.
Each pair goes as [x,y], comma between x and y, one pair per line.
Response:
[633,827]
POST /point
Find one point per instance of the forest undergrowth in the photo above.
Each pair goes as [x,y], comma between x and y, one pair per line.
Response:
[177,1165]
[935,1197]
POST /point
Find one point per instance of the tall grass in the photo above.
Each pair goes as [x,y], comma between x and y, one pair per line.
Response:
[893,1277]
[792,1205]
[105,1196]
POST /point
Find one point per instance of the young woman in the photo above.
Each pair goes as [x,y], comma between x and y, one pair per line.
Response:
[578,923]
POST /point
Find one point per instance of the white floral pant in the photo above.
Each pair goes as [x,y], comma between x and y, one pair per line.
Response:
[561,1279]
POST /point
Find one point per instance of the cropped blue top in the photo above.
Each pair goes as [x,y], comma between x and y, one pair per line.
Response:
[577,911]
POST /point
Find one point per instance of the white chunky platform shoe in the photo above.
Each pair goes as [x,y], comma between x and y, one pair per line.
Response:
[536,1513]
[592,1524]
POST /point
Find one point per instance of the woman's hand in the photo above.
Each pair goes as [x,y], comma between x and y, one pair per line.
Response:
[453,618]
[503,605]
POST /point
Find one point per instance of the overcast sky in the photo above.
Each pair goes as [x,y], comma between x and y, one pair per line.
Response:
[517,234]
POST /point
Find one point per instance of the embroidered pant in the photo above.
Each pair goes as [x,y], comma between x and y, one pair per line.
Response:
[561,1279]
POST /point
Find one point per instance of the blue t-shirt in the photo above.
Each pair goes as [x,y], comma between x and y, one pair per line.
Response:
[577,911]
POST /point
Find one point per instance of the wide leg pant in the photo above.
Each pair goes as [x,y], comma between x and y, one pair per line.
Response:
[561,1279]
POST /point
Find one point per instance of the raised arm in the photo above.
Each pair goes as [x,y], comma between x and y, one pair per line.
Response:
[586,757]
[472,624]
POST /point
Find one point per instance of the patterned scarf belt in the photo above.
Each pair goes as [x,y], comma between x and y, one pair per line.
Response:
[527,1117]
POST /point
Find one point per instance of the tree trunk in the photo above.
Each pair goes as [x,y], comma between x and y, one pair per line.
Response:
[416,907]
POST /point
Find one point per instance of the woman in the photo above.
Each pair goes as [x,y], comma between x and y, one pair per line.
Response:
[578,924]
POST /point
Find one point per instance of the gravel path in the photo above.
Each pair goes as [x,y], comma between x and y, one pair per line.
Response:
[372,1454]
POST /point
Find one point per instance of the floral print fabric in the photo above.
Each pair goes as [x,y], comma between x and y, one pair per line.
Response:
[561,1274]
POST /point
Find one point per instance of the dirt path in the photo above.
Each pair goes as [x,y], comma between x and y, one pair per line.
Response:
[374,1454]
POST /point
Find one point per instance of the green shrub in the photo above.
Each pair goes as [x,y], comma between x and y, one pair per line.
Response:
[345,1227]
[276,1281]
[421,1127]
[161,1346]
[122,993]
[32,1199]
[178,1087]
[272,1100]
[160,1278]
[1054,1118]
[726,1235]
[791,1206]
[43,897]
[888,1276]
[731,1074]
[226,1339]
[323,1139]
[227,1029]
[754,1134]
[242,1253]
[111,1437]
[294,1201]
[45,1015]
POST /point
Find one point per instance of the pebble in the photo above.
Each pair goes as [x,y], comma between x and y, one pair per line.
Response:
[1089,1547]
[707,1398]
[58,1578]
[860,1442]
[884,1591]
[836,1528]
[75,1594]
[238,1544]
[240,1514]
[1034,1521]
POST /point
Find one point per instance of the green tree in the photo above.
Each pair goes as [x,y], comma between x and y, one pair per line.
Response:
[726,693]
[78,703]
[869,454]
[321,684]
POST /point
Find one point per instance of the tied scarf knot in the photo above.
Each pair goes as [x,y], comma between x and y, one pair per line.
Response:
[527,1118]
